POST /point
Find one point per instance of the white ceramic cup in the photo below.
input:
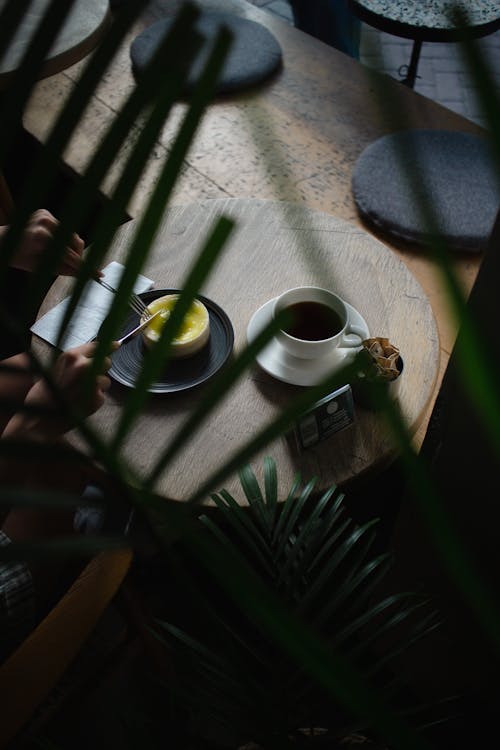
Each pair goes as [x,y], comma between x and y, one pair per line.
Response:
[310,321]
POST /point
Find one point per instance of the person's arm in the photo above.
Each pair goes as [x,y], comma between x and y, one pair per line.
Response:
[37,236]
[69,376]
[51,423]
[16,379]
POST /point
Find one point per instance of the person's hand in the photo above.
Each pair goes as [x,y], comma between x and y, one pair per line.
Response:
[36,239]
[70,376]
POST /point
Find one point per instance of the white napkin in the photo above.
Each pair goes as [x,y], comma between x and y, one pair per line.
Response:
[90,312]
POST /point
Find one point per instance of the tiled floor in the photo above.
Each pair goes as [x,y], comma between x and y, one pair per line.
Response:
[442,72]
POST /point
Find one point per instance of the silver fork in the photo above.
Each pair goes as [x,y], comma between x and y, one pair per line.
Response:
[135,301]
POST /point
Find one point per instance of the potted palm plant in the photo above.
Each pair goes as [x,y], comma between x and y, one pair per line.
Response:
[296,629]
[313,567]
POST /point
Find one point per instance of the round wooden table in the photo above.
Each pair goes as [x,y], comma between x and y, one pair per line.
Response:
[275,246]
[80,33]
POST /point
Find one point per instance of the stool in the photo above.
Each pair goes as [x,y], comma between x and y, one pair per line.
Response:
[253,57]
[456,173]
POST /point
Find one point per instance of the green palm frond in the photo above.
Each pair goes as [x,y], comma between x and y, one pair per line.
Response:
[26,74]
[213,395]
[156,358]
[265,697]
[251,677]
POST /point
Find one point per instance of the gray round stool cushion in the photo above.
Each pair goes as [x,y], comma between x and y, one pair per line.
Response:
[456,172]
[253,57]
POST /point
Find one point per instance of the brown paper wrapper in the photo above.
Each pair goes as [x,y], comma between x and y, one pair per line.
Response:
[386,357]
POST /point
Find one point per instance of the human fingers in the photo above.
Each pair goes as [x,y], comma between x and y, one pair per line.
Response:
[43,218]
[37,235]
[88,351]
[70,264]
[37,238]
[103,383]
[41,226]
[78,246]
[76,243]
[106,365]
[75,363]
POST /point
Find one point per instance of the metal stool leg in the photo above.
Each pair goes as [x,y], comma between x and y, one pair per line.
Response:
[411,69]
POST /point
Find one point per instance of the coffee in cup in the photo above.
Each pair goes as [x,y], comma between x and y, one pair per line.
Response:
[317,322]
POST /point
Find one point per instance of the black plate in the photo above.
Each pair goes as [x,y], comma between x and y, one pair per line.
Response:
[180,374]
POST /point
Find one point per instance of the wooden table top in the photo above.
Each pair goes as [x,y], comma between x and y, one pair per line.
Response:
[79,34]
[295,139]
[276,246]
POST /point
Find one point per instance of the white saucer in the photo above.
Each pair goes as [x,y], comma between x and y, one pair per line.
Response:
[276,361]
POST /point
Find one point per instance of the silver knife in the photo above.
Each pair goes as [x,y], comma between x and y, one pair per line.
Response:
[130,335]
